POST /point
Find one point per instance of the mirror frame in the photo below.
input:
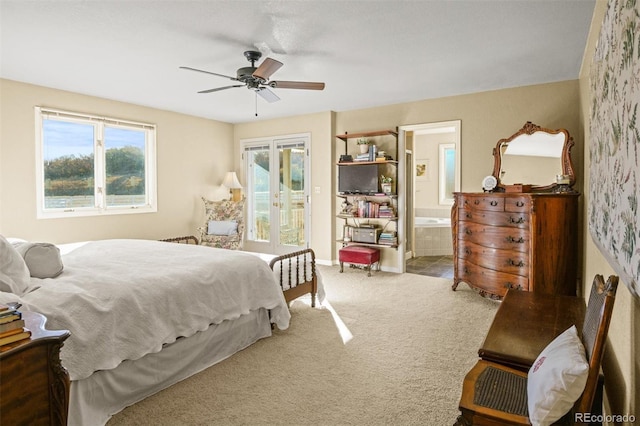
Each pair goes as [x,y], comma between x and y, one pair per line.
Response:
[529,128]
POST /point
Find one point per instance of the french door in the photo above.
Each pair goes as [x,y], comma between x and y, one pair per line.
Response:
[277,179]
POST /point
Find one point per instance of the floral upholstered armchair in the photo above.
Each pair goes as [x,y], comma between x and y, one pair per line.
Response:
[224,224]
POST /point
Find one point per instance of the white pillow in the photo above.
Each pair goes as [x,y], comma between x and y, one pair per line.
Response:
[14,274]
[557,378]
[43,259]
[222,227]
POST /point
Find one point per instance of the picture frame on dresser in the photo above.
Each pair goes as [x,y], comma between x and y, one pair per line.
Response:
[520,235]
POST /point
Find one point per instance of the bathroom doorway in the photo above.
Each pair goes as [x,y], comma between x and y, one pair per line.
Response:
[432,158]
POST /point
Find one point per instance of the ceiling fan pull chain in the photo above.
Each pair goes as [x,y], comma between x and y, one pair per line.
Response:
[256,98]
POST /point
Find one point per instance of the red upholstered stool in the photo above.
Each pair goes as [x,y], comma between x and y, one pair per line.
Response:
[359,255]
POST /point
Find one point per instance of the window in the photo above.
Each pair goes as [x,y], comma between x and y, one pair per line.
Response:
[447,173]
[90,165]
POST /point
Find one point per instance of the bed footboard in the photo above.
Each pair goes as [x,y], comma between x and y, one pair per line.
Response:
[297,274]
[189,239]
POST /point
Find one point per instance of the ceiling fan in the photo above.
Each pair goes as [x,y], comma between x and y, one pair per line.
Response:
[257,79]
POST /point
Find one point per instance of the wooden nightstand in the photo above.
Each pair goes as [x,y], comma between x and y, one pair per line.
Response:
[34,387]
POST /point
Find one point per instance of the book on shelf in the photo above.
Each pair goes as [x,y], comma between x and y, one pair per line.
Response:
[388,238]
[16,324]
[25,334]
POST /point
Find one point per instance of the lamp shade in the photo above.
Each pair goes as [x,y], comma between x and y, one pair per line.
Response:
[231,181]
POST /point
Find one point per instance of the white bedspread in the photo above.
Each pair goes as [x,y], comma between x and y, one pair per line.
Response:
[122,299]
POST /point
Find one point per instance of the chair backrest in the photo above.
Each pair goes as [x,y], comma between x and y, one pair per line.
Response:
[594,334]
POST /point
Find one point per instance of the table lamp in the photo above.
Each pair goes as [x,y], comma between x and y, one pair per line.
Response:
[235,189]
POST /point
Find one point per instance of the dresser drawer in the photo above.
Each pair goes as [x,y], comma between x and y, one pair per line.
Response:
[517,204]
[509,261]
[495,204]
[495,237]
[491,281]
[513,219]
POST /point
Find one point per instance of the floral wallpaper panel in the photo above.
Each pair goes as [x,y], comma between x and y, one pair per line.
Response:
[614,222]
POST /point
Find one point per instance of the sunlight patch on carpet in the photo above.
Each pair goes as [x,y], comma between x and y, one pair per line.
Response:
[344,331]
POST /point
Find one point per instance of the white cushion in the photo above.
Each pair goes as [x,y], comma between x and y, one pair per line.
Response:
[14,274]
[222,227]
[43,259]
[557,378]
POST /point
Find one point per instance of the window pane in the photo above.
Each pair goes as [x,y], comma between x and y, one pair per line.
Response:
[291,196]
[259,193]
[68,164]
[124,165]
[450,173]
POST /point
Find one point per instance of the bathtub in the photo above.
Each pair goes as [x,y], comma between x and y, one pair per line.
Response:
[432,222]
[432,236]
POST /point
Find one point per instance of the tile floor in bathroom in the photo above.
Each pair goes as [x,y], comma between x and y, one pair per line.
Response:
[433,266]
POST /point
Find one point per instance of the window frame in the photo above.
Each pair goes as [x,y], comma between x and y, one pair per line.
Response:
[100,207]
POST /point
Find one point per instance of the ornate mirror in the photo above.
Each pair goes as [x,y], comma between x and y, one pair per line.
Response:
[535,157]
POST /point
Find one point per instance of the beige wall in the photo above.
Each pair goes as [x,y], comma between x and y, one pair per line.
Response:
[622,362]
[192,156]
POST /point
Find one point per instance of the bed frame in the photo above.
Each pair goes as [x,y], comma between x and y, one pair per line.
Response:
[304,280]
[303,262]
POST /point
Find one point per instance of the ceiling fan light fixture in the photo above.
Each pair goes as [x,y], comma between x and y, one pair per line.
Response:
[257,79]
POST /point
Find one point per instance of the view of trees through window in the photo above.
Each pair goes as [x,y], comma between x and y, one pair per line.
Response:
[70,178]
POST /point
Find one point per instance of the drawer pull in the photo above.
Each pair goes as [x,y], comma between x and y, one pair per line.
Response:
[514,240]
[512,262]
[468,231]
[467,251]
[513,286]
[519,220]
[476,202]
[469,215]
[519,203]
[493,203]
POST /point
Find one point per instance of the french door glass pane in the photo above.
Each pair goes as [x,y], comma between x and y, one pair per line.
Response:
[291,196]
[259,176]
[68,164]
[124,163]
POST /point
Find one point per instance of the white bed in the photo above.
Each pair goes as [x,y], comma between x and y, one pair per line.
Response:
[143,315]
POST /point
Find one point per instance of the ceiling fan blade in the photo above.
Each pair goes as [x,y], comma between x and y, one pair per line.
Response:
[217,89]
[267,94]
[307,85]
[209,72]
[266,68]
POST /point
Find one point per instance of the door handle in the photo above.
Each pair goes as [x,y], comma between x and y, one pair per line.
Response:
[275,204]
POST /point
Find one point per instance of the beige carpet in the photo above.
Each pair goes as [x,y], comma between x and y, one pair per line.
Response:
[412,341]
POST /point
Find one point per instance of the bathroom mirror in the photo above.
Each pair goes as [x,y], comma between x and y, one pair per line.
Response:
[534,156]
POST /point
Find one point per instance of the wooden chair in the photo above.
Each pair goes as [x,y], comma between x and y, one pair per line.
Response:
[494,394]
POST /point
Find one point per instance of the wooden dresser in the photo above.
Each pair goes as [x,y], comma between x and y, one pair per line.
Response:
[34,387]
[525,241]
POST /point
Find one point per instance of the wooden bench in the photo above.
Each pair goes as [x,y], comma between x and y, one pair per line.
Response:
[525,323]
[359,255]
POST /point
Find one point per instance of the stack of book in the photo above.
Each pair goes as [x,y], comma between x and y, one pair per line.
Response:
[362,157]
[388,238]
[386,210]
[12,327]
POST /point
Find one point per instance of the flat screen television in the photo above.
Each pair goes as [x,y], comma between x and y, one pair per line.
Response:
[358,179]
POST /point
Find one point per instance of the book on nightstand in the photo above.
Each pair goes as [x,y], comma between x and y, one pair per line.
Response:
[9,316]
[24,334]
[15,324]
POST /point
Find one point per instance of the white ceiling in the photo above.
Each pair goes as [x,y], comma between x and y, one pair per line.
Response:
[369,53]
